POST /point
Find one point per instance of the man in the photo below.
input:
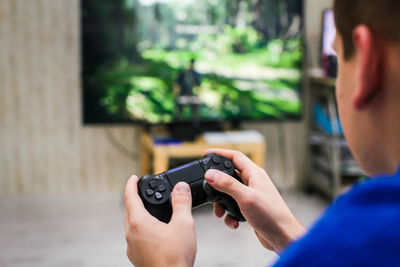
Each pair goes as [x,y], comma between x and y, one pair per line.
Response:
[187,80]
[361,228]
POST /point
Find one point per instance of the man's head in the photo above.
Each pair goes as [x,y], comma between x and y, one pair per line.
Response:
[368,84]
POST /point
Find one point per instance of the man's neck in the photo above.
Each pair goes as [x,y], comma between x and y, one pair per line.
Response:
[392,109]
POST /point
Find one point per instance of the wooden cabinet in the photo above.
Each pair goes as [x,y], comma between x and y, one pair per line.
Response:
[155,157]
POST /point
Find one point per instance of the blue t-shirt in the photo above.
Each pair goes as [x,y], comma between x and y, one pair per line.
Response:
[361,228]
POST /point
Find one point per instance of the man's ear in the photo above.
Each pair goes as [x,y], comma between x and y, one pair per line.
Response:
[370,68]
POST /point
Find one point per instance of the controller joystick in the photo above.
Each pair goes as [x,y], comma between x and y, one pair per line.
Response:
[155,190]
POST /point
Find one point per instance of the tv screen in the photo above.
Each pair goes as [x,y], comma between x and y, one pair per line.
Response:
[328,33]
[163,61]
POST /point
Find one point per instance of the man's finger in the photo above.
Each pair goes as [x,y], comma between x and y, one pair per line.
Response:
[226,183]
[231,223]
[240,160]
[181,203]
[133,202]
[218,210]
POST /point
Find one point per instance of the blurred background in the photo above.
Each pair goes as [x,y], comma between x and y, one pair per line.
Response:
[69,138]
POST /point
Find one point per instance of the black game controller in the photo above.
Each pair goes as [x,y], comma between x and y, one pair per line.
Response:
[155,190]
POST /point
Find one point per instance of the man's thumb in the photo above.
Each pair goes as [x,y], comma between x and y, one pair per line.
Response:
[181,202]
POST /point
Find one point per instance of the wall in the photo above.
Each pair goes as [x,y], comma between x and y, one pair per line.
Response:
[43,146]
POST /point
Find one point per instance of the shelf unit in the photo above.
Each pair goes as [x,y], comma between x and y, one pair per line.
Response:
[331,165]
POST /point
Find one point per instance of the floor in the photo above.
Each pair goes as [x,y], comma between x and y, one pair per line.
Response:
[87,231]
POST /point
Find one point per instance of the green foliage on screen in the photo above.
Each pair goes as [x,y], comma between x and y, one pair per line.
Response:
[249,70]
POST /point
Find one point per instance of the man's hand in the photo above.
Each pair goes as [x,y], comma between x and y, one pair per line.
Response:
[154,243]
[259,201]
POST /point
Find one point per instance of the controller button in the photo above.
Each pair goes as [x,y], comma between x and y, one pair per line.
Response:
[158,196]
[205,161]
[149,192]
[217,160]
[228,164]
[153,184]
[209,188]
[161,188]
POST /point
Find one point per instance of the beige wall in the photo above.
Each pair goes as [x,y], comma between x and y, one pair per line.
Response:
[43,146]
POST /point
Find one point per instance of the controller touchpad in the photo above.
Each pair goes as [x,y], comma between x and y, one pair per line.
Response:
[188,173]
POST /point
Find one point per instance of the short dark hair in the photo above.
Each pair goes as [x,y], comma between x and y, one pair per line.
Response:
[381,16]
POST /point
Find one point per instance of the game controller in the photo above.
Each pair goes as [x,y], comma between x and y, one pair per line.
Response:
[155,190]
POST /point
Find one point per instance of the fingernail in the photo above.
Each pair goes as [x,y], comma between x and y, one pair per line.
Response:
[182,187]
[211,175]
[232,225]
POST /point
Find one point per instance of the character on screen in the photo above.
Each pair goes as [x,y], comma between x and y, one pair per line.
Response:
[187,80]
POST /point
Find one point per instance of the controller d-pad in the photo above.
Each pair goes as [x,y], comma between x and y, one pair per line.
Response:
[155,190]
[217,160]
[158,196]
[161,188]
[228,164]
[149,192]
[153,184]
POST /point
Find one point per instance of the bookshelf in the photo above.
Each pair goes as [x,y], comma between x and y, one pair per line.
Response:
[331,166]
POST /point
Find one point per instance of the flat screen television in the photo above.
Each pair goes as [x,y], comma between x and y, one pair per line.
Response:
[163,61]
[328,34]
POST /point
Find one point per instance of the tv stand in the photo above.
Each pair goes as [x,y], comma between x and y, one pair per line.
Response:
[189,131]
[154,158]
